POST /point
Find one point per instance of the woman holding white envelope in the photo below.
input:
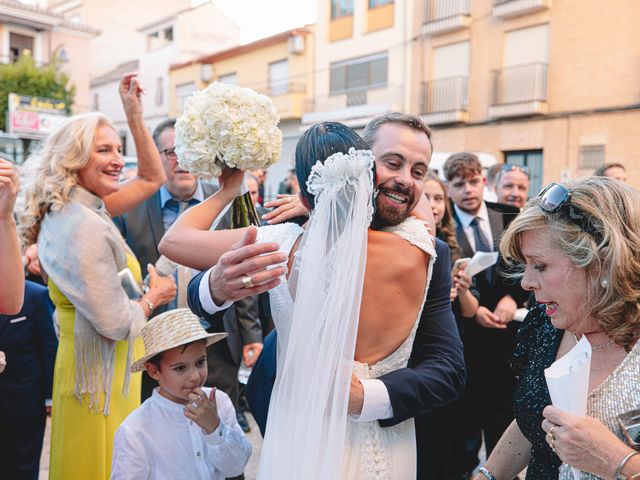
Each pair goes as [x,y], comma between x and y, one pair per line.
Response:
[579,249]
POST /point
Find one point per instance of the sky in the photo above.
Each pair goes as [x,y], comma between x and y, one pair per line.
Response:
[263,18]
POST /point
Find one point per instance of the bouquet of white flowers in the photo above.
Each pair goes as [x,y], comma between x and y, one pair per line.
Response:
[228,126]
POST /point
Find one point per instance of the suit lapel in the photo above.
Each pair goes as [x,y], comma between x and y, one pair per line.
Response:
[155,217]
[496,220]
[463,241]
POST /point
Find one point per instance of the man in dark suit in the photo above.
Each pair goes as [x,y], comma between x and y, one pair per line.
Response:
[143,228]
[436,373]
[490,339]
[29,342]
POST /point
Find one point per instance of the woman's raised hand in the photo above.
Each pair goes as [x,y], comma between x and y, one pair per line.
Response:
[231,180]
[131,92]
[8,188]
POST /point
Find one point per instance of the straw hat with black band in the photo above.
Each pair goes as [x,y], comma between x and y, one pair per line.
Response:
[172,329]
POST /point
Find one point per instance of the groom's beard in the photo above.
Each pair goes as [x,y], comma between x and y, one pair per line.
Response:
[389,211]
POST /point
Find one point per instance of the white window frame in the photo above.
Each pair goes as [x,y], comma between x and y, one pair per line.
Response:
[37,42]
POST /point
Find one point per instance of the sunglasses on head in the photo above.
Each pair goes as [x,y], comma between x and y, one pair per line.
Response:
[556,198]
[509,167]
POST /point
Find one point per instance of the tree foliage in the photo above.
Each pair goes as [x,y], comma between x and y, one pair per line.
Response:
[24,77]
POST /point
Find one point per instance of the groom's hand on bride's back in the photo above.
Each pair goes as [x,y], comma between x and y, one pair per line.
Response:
[356,396]
[242,271]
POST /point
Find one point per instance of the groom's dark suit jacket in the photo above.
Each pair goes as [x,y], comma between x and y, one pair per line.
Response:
[436,372]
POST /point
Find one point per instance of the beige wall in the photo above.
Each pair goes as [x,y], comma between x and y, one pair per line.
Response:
[77,67]
[560,140]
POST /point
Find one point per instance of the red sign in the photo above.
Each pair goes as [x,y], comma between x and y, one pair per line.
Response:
[25,121]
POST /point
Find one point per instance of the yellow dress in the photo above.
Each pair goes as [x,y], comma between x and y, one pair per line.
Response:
[82,440]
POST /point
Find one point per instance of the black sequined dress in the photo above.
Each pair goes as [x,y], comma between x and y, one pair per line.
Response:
[538,343]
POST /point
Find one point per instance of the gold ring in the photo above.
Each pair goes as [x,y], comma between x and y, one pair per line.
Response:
[552,442]
[246,281]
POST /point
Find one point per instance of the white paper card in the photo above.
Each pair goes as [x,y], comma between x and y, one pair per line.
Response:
[568,382]
[481,261]
[521,314]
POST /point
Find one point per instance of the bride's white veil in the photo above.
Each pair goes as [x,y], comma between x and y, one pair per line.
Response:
[307,419]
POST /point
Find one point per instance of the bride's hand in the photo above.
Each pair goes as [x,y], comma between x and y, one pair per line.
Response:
[231,180]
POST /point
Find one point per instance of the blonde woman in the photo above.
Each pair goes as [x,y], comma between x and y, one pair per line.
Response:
[69,208]
[579,248]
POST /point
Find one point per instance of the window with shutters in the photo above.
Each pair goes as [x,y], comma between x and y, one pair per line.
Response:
[591,157]
[341,8]
[359,74]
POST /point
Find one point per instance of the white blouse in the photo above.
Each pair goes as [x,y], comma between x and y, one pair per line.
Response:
[156,441]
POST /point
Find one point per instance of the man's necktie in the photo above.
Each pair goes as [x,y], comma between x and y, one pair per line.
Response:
[482,245]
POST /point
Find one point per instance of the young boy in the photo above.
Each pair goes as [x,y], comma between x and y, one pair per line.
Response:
[183,430]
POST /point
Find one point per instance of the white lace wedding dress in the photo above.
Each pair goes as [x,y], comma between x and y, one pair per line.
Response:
[371,452]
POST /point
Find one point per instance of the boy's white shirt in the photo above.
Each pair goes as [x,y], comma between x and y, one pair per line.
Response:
[156,441]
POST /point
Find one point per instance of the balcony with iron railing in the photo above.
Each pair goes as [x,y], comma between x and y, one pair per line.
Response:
[444,16]
[444,100]
[519,91]
[515,8]
[356,106]
[289,98]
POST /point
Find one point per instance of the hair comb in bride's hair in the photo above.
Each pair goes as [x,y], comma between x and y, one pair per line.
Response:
[341,169]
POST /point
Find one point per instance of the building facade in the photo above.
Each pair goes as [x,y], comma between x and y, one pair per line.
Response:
[280,66]
[178,37]
[362,60]
[44,34]
[551,84]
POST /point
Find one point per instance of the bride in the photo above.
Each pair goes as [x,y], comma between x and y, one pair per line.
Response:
[348,308]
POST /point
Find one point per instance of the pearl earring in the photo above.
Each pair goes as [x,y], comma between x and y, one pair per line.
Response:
[604,283]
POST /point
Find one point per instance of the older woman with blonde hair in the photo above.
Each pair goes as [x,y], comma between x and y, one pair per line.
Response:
[68,212]
[578,247]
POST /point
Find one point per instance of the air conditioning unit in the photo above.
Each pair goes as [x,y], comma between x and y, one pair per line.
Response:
[206,72]
[296,44]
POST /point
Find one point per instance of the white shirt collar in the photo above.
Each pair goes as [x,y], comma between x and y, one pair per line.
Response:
[467,218]
[165,195]
[165,403]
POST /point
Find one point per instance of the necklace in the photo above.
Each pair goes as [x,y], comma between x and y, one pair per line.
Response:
[595,347]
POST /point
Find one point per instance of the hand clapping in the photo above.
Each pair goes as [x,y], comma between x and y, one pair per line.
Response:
[203,410]
[8,188]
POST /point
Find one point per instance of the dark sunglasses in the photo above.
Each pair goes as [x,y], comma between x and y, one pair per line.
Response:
[509,167]
[556,198]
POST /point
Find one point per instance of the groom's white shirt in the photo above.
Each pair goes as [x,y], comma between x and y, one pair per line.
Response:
[376,405]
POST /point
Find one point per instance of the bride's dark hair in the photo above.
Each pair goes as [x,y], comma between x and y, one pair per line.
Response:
[317,144]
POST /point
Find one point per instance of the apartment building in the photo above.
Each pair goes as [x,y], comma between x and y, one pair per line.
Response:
[362,60]
[46,34]
[119,21]
[280,66]
[551,84]
[177,37]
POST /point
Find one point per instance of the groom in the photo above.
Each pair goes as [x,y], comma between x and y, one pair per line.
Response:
[435,377]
